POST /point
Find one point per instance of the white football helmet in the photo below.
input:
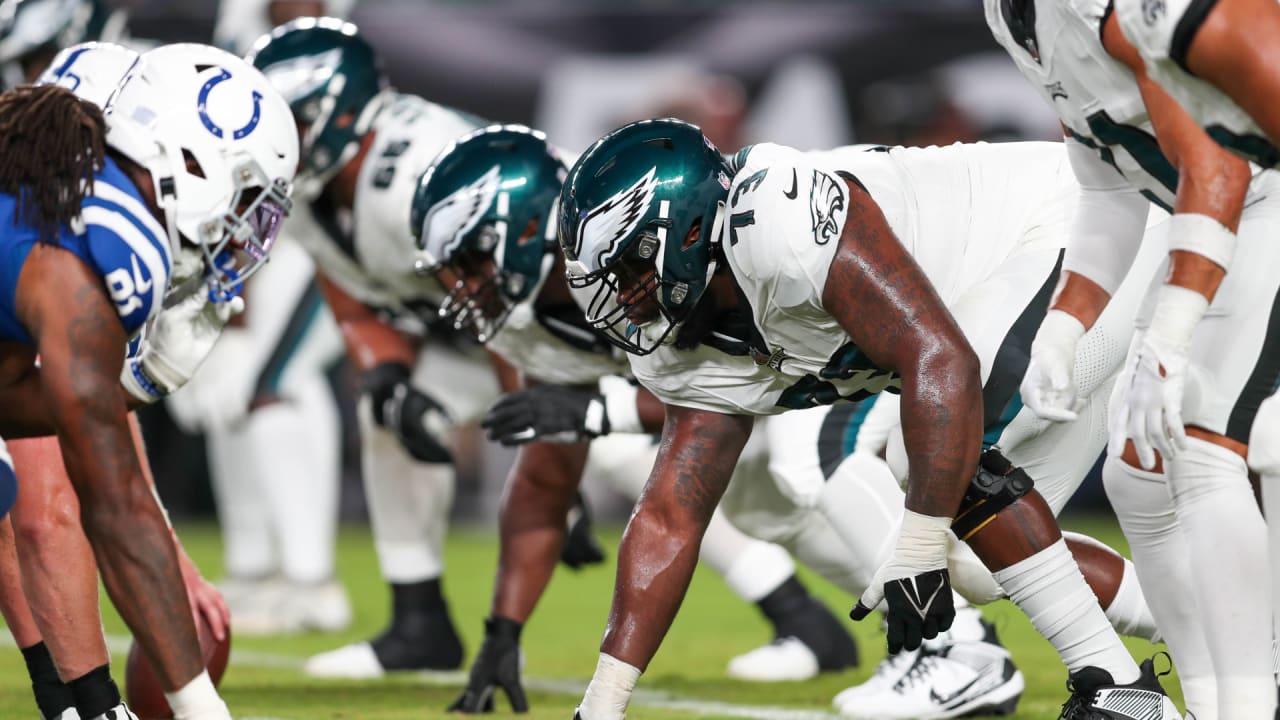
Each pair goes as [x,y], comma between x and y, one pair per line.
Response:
[91,70]
[221,148]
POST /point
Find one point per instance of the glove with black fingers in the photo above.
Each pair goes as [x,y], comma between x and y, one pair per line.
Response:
[581,548]
[418,421]
[497,665]
[548,413]
[174,345]
[914,585]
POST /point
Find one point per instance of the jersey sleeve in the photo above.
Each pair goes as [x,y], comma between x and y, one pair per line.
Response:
[131,254]
[786,213]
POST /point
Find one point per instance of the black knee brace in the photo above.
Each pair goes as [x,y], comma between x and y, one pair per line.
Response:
[996,486]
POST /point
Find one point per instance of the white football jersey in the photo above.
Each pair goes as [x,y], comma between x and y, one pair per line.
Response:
[1151,27]
[960,211]
[1058,47]
[370,251]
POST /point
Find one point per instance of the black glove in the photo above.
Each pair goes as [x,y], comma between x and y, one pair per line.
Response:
[550,413]
[919,608]
[580,546]
[497,665]
[417,419]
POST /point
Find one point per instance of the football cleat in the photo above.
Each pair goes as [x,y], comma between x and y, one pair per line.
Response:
[119,712]
[276,606]
[416,642]
[1095,696]
[786,658]
[969,626]
[808,640]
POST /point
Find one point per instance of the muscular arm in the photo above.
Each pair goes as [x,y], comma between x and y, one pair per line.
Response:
[81,344]
[883,300]
[1211,181]
[660,547]
[370,341]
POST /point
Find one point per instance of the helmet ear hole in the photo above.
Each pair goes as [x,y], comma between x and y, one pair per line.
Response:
[691,238]
[193,165]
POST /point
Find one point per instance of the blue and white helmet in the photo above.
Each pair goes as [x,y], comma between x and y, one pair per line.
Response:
[221,148]
[91,70]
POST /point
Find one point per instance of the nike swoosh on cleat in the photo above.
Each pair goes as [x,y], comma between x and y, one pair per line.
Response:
[791,194]
[945,699]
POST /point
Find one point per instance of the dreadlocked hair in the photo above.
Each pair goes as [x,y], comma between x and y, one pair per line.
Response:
[51,144]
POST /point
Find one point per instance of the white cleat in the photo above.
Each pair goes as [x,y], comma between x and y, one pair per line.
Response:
[783,659]
[282,607]
[119,712]
[887,673]
[356,661]
[965,678]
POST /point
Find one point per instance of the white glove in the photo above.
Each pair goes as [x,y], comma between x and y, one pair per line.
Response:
[1048,387]
[175,343]
[218,395]
[1150,411]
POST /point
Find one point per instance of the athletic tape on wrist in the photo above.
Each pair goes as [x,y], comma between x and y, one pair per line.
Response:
[923,541]
[1178,312]
[1202,235]
[620,405]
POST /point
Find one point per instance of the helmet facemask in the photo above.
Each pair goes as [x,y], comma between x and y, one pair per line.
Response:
[482,294]
[633,305]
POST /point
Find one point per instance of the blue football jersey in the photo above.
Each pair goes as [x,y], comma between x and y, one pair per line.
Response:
[116,235]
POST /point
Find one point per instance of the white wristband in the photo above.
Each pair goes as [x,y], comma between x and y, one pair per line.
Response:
[1202,235]
[1059,328]
[620,404]
[1178,312]
[923,541]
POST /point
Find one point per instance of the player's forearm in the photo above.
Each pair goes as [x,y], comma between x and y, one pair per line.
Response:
[942,428]
[531,529]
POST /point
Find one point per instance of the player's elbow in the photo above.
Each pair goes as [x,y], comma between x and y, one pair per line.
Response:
[953,364]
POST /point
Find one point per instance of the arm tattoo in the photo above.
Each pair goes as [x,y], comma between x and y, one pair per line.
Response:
[699,450]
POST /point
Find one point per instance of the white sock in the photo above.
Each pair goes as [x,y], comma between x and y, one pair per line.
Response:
[1128,611]
[409,505]
[1144,508]
[296,445]
[1217,510]
[1049,588]
[198,700]
[247,541]
[751,568]
[609,691]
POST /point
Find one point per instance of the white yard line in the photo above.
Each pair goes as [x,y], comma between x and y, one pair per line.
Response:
[119,644]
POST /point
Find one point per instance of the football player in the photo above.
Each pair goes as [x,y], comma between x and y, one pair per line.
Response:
[56,560]
[484,217]
[178,207]
[364,147]
[779,282]
[1203,360]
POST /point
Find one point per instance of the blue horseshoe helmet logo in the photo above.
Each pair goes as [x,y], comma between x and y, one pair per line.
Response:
[202,103]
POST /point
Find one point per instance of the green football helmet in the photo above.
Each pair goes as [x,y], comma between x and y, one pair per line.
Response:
[640,220]
[33,31]
[334,85]
[483,218]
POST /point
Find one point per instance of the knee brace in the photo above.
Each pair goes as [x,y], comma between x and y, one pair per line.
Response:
[996,486]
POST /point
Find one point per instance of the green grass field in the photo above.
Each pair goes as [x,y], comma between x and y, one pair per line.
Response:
[686,680]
